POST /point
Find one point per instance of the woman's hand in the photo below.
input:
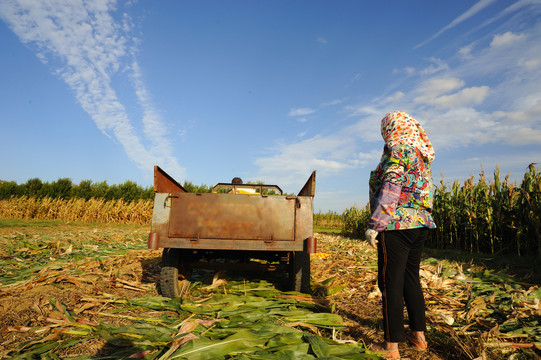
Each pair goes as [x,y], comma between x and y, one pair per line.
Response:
[370,236]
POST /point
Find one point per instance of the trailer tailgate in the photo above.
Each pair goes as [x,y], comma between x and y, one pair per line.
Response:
[232,216]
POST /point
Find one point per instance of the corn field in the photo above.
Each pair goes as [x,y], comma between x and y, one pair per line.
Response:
[329,219]
[355,221]
[119,211]
[490,216]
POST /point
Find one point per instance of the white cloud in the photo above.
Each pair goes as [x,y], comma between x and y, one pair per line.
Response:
[530,64]
[435,87]
[86,46]
[331,103]
[154,128]
[322,40]
[521,136]
[465,52]
[410,70]
[436,65]
[394,97]
[301,112]
[459,127]
[363,110]
[528,108]
[331,154]
[290,164]
[363,159]
[463,98]
[507,38]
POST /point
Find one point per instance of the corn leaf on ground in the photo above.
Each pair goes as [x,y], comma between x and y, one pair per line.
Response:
[89,292]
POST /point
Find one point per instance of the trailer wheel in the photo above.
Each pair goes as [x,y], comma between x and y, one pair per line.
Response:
[299,273]
[173,272]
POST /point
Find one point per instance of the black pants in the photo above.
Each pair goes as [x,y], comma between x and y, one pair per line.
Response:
[399,257]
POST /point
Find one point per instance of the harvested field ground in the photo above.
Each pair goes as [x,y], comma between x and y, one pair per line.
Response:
[89,291]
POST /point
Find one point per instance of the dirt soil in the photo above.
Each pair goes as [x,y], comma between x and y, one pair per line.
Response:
[31,304]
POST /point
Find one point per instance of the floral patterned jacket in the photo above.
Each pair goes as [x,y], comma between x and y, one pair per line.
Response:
[401,191]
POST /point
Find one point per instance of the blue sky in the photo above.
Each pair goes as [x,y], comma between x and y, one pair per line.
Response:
[265,90]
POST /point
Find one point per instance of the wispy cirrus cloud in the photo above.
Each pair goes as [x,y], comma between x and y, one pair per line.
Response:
[476,8]
[448,93]
[301,112]
[332,154]
[85,45]
[434,66]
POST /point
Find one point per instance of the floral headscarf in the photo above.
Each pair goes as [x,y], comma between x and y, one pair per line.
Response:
[399,128]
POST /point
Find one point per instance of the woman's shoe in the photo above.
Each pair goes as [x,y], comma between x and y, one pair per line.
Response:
[387,354]
[419,344]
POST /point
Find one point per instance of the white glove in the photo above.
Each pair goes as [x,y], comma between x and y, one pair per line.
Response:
[370,236]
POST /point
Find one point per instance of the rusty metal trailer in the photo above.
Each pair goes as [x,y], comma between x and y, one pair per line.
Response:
[195,229]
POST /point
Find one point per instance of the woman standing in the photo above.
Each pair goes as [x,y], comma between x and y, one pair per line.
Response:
[401,195]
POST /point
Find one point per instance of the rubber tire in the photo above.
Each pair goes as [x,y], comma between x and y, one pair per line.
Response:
[171,268]
[299,273]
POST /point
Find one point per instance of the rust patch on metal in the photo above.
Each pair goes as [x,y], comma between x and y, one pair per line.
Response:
[154,241]
[309,189]
[310,245]
[163,183]
[232,216]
